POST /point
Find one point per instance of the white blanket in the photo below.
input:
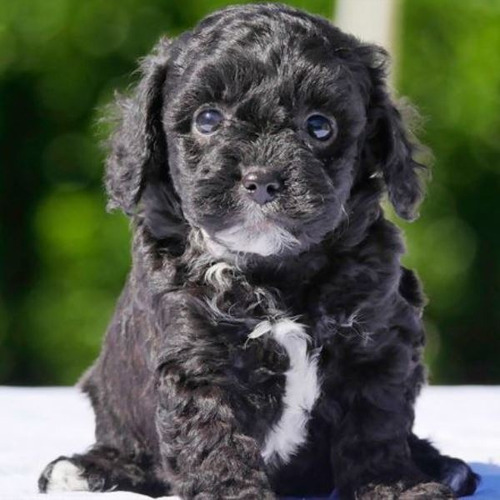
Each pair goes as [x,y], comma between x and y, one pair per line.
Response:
[39,424]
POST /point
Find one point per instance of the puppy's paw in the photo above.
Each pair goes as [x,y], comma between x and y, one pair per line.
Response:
[458,476]
[428,491]
[379,491]
[398,491]
[62,475]
[240,494]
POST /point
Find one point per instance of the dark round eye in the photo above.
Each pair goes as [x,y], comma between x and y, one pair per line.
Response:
[320,127]
[208,121]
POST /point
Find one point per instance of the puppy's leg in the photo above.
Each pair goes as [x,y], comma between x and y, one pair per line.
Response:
[371,455]
[102,469]
[205,452]
[447,470]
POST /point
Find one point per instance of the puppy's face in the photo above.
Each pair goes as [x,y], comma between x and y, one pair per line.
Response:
[254,128]
[262,142]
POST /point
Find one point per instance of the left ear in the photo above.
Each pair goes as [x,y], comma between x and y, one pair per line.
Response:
[389,144]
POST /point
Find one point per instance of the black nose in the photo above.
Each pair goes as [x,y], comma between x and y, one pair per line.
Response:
[262,185]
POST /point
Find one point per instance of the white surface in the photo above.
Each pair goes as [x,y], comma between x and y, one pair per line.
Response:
[37,425]
[462,421]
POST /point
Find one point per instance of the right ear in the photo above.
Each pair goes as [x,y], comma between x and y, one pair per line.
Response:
[138,160]
[390,147]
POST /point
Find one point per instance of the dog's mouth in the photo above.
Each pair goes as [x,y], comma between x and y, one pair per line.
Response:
[263,239]
[257,234]
[282,227]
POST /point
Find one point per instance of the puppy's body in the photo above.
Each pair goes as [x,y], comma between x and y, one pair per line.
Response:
[268,340]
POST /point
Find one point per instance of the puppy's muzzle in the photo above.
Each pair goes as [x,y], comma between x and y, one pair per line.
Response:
[262,186]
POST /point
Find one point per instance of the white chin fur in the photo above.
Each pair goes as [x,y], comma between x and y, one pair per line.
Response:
[259,237]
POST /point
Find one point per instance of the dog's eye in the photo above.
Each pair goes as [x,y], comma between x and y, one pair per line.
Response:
[208,121]
[320,127]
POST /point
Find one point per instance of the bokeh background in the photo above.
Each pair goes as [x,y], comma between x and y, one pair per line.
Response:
[63,259]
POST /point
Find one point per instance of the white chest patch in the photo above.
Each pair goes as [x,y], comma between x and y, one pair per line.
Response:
[301,389]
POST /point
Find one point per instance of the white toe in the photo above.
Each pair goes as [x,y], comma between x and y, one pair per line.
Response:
[66,476]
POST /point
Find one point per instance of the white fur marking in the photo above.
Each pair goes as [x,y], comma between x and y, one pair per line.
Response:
[301,388]
[66,476]
[257,235]
[217,275]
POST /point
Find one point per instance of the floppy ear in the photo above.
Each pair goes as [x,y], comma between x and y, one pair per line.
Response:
[389,145]
[137,165]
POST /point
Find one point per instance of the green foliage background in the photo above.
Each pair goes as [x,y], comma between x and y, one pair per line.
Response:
[63,260]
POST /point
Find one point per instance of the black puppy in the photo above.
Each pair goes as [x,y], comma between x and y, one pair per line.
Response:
[268,341]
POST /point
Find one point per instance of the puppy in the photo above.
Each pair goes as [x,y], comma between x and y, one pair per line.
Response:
[268,341]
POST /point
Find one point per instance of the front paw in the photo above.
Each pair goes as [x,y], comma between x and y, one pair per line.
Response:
[242,494]
[398,491]
[62,475]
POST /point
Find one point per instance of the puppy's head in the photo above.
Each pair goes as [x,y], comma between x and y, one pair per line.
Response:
[255,128]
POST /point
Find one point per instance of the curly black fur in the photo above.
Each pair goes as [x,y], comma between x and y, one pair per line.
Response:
[263,350]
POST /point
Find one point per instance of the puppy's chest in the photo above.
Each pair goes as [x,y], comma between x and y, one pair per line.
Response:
[272,357]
